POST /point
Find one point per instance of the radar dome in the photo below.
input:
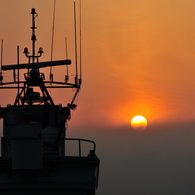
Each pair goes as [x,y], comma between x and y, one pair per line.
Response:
[49,135]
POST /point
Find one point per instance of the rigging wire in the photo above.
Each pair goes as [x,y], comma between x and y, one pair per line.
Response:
[76,101]
[52,40]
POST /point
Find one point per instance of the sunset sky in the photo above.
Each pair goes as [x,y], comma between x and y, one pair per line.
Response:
[138,58]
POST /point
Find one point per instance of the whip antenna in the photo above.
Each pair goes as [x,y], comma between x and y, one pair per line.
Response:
[1,54]
[1,76]
[52,40]
[18,73]
[75,33]
[66,48]
[80,48]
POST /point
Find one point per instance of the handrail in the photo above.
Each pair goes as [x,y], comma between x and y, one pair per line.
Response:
[91,150]
[84,140]
[39,76]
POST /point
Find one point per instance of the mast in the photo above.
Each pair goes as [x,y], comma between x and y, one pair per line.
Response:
[33,78]
[33,38]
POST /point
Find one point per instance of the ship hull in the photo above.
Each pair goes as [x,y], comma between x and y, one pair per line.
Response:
[59,175]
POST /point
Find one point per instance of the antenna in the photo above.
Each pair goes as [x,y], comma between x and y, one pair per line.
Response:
[80,81]
[52,40]
[1,76]
[75,33]
[66,46]
[18,76]
[33,38]
[34,15]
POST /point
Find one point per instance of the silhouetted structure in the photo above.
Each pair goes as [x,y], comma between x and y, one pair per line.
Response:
[34,155]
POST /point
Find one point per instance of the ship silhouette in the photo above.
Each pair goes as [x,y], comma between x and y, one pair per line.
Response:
[34,144]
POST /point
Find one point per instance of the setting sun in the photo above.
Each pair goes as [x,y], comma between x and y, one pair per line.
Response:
[139,122]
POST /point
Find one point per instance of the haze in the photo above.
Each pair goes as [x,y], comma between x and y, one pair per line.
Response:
[138,58]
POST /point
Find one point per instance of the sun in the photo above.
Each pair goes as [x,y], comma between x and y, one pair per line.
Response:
[139,122]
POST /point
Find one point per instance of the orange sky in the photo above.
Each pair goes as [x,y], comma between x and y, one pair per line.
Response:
[138,57]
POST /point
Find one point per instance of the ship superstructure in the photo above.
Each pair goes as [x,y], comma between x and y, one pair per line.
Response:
[33,147]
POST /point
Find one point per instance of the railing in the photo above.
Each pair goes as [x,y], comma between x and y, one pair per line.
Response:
[52,146]
[92,152]
[36,75]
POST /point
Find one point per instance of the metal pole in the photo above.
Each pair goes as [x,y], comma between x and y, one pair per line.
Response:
[18,62]
[33,35]
[75,34]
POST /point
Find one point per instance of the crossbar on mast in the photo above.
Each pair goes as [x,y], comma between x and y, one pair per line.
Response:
[36,65]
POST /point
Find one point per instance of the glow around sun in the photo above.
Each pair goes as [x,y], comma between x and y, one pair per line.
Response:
[139,122]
